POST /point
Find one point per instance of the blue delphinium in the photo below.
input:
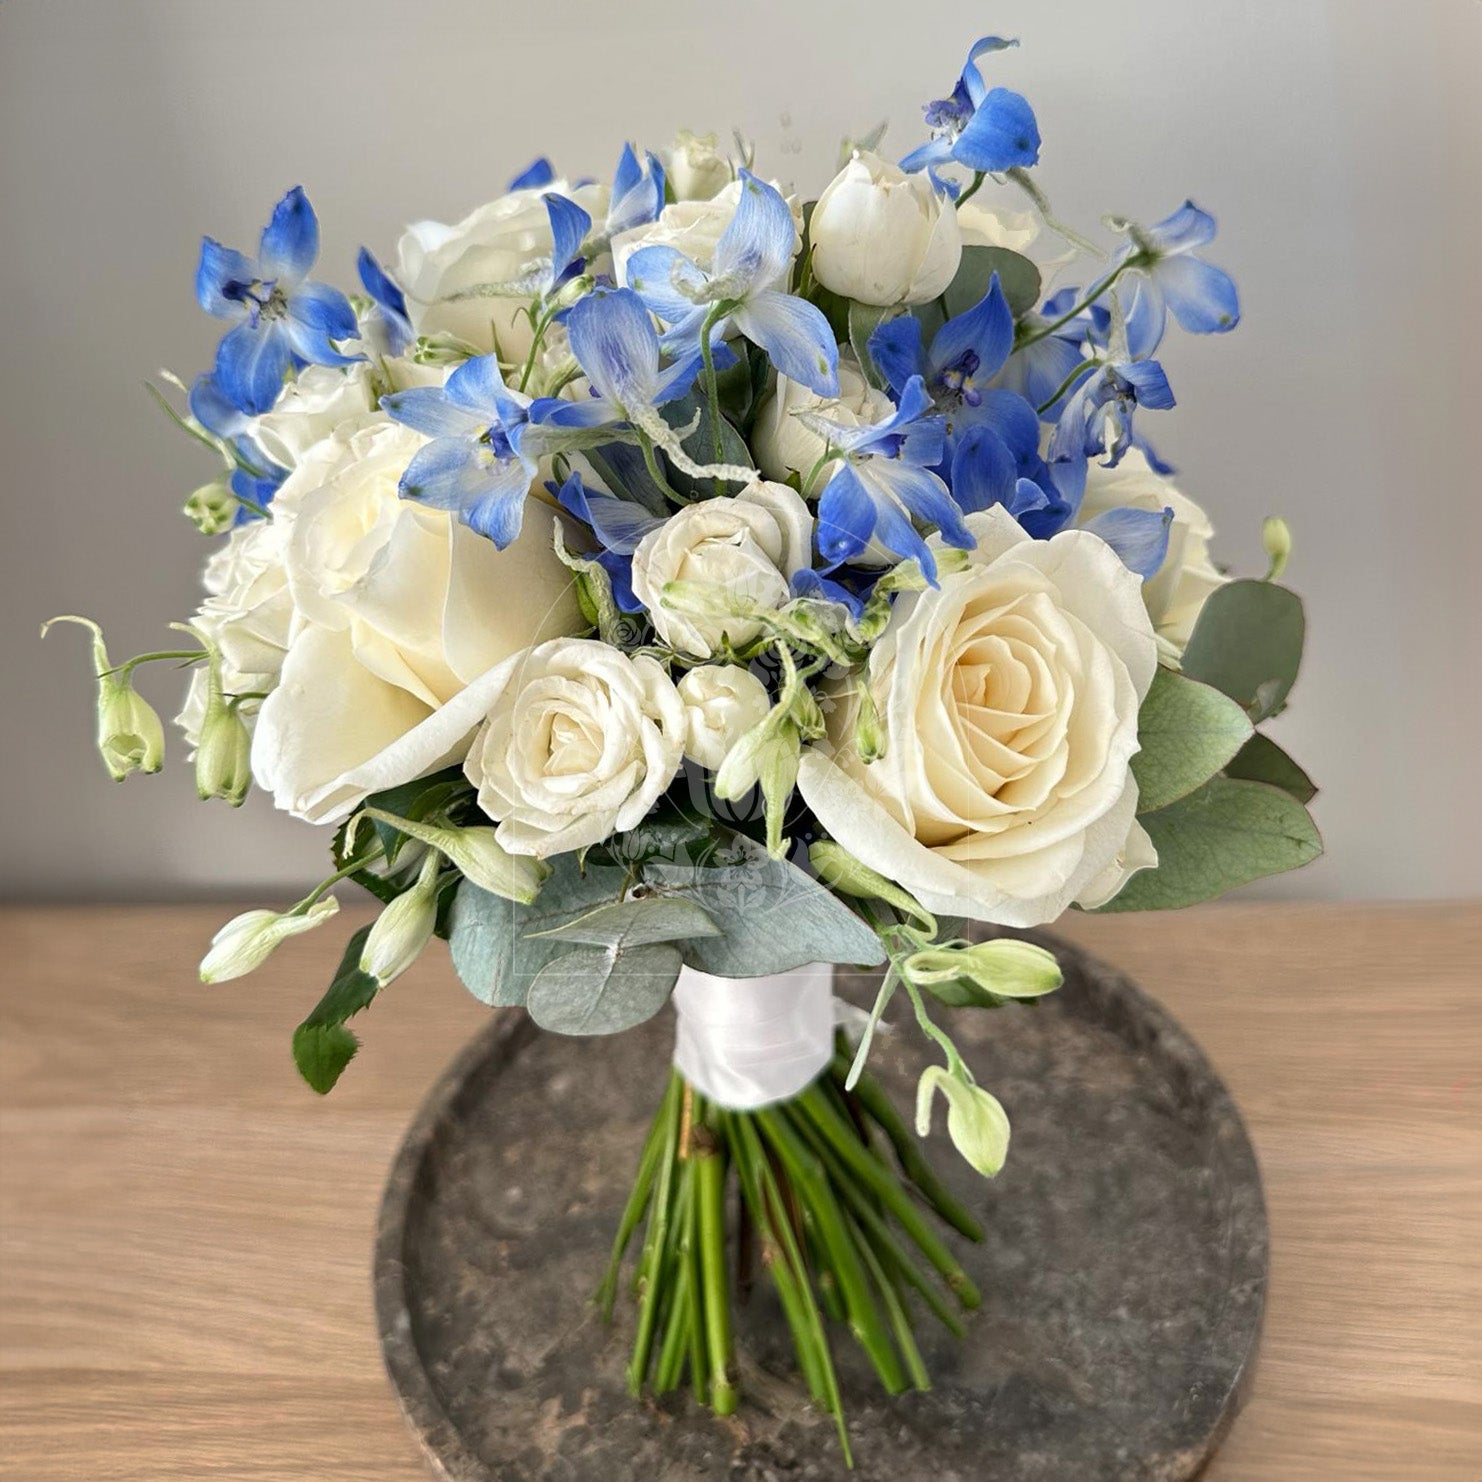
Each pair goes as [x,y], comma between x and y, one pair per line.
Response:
[484,453]
[637,192]
[619,526]
[753,255]
[1166,276]
[285,320]
[883,481]
[989,129]
[389,301]
[255,477]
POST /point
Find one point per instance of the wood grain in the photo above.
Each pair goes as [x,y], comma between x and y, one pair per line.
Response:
[185,1230]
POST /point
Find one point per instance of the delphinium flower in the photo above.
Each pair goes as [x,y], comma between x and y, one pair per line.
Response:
[388,301]
[619,526]
[985,129]
[285,320]
[255,477]
[1166,276]
[753,255]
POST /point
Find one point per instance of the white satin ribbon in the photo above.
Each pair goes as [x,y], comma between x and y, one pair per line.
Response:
[750,1042]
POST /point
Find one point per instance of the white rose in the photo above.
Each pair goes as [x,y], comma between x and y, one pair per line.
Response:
[498,243]
[1175,594]
[248,613]
[1008,698]
[721,703]
[1023,232]
[580,742]
[310,407]
[882,236]
[693,228]
[746,547]
[697,168]
[783,444]
[398,608]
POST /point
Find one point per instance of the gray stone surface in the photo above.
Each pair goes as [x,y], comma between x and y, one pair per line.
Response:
[1123,1274]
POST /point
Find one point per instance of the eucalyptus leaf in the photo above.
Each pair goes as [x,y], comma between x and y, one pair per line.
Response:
[1247,643]
[1224,834]
[495,944]
[622,925]
[864,319]
[1017,276]
[700,444]
[625,475]
[773,917]
[1187,731]
[1262,760]
[590,990]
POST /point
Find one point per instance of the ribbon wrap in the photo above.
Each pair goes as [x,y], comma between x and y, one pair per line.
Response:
[745,1043]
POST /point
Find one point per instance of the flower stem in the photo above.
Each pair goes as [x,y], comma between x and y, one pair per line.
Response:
[1092,295]
[978,178]
[710,1172]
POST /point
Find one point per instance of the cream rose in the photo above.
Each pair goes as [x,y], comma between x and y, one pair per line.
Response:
[1008,697]
[310,407]
[398,607]
[721,703]
[697,168]
[579,743]
[748,547]
[502,243]
[784,445]
[882,236]
[1176,592]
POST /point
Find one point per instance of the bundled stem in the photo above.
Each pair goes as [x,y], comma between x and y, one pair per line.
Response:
[842,1232]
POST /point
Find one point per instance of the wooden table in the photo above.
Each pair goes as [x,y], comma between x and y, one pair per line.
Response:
[185,1230]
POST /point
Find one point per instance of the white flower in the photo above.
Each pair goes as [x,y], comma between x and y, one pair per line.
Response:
[784,445]
[1175,594]
[310,407]
[248,940]
[580,742]
[248,614]
[984,225]
[747,548]
[1009,698]
[697,168]
[882,236]
[500,243]
[693,227]
[397,608]
[721,703]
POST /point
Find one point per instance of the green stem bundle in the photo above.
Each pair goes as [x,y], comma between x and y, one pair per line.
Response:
[843,1232]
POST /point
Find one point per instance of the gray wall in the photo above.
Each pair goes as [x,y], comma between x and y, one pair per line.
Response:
[1339,144]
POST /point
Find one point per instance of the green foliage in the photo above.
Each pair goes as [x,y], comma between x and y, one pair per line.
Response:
[598,990]
[700,444]
[1187,731]
[1017,276]
[322,1046]
[635,922]
[1262,760]
[1224,834]
[1248,645]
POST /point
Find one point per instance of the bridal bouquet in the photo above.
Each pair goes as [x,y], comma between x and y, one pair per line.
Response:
[674,587]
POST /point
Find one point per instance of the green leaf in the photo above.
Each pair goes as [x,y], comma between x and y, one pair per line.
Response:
[700,444]
[595,991]
[1187,731]
[496,949]
[1262,760]
[864,319]
[622,470]
[1017,276]
[1248,644]
[322,1046]
[636,922]
[1225,834]
[772,918]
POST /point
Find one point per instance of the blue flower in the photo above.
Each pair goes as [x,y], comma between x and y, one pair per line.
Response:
[753,254]
[637,192]
[1042,371]
[485,450]
[883,482]
[1167,276]
[255,477]
[1098,417]
[285,320]
[537,174]
[389,301]
[570,226]
[1138,536]
[619,527]
[991,130]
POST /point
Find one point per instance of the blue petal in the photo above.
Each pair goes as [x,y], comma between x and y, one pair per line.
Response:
[222,276]
[984,472]
[251,362]
[1009,415]
[846,515]
[1138,536]
[1202,297]
[290,241]
[1146,316]
[1148,381]
[1038,371]
[569,228]
[818,588]
[1028,498]
[676,380]
[934,152]
[985,330]
[795,334]
[895,347]
[1186,229]
[214,410]
[1001,135]
[1157,464]
[756,247]
[478,386]
[972,78]
[924,495]
[379,284]
[619,571]
[618,524]
[487,493]
[615,343]
[637,192]
[656,273]
[894,531]
[595,411]
[430,411]
[537,173]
